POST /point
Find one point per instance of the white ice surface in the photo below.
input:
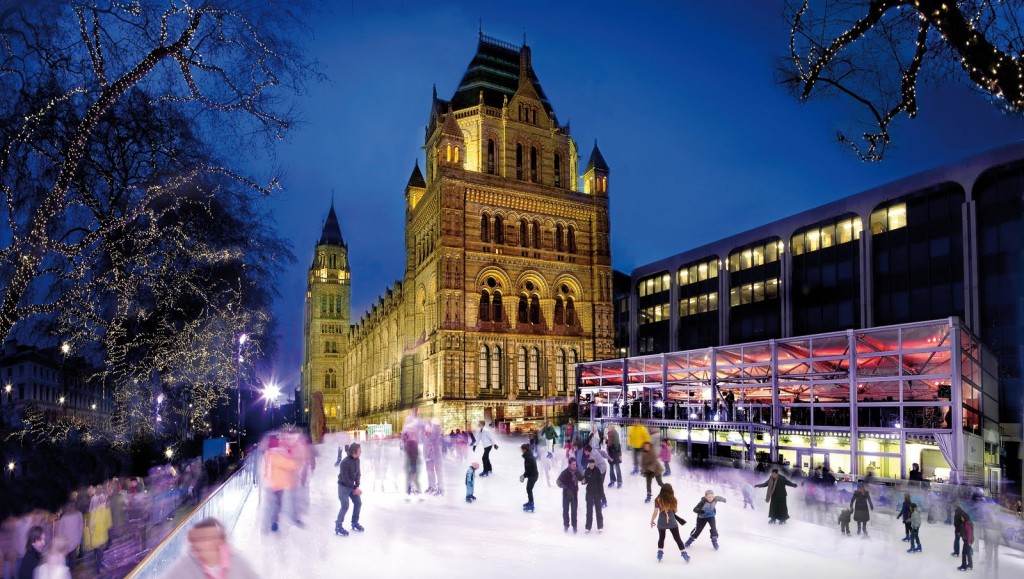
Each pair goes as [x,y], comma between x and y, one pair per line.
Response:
[493,538]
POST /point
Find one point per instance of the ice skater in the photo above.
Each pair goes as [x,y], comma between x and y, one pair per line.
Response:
[706,512]
[529,475]
[614,445]
[748,495]
[845,516]
[904,515]
[348,489]
[433,447]
[915,527]
[860,504]
[967,534]
[664,516]
[665,454]
[637,436]
[485,440]
[651,467]
[778,510]
[568,481]
[471,481]
[595,494]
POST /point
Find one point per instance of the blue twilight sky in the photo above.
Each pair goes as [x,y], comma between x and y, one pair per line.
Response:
[700,140]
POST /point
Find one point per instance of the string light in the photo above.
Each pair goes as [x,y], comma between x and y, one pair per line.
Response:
[823,57]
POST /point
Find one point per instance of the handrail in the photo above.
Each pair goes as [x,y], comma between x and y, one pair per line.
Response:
[225,503]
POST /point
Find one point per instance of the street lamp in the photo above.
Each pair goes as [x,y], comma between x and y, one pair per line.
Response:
[238,388]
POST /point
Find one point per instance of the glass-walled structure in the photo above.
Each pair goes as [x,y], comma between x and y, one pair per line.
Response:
[872,400]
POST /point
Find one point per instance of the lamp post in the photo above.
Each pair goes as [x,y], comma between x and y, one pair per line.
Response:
[242,339]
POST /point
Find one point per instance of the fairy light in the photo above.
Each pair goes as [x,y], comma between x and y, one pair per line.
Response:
[128,272]
[823,60]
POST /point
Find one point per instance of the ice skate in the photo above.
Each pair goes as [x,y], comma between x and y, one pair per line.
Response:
[660,555]
[648,499]
[688,542]
[528,508]
[714,543]
[339,530]
[357,527]
[273,527]
[685,556]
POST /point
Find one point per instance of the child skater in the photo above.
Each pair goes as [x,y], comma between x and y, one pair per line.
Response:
[915,527]
[845,516]
[471,481]
[706,512]
[748,495]
[665,517]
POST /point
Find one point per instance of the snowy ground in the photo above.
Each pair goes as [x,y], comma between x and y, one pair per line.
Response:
[494,538]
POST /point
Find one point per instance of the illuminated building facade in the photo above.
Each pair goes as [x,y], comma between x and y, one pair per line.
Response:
[857,401]
[507,281]
[946,242]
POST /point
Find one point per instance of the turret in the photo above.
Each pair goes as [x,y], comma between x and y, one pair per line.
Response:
[415,189]
[595,176]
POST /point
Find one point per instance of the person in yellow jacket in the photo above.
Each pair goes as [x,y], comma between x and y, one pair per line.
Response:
[280,474]
[97,528]
[636,437]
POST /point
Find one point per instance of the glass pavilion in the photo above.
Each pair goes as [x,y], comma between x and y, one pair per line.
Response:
[873,400]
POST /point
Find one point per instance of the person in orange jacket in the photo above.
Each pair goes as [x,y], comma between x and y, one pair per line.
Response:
[280,472]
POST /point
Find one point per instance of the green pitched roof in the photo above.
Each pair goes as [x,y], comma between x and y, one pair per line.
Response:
[495,71]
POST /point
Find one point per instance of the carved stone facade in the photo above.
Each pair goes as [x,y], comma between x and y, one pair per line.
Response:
[508,279]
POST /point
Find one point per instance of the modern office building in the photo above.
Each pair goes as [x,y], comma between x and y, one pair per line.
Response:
[948,242]
[857,401]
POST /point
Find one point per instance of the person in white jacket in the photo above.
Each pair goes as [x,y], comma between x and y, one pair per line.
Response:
[485,440]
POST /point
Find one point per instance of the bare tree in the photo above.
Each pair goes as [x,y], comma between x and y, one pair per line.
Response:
[225,66]
[876,53]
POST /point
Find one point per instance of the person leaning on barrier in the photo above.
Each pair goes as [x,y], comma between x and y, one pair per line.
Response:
[209,555]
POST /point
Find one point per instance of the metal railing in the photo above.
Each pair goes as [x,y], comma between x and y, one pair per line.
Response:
[225,503]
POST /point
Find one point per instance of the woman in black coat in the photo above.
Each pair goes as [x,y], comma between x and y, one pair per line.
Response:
[778,510]
[859,504]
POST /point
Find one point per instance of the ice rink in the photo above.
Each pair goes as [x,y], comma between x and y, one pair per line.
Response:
[430,536]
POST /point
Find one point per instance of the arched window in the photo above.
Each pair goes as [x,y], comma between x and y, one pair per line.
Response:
[559,311]
[490,156]
[571,239]
[533,164]
[499,229]
[496,307]
[327,347]
[485,307]
[496,367]
[519,162]
[570,312]
[560,369]
[536,234]
[521,375]
[330,380]
[485,228]
[522,316]
[456,154]
[570,368]
[558,170]
[534,369]
[534,310]
[524,233]
[559,246]
[482,371]
[448,153]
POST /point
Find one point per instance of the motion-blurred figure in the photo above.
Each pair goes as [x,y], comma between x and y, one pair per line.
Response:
[209,556]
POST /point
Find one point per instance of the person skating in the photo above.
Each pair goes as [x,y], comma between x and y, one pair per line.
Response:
[748,495]
[778,510]
[637,435]
[530,475]
[665,455]
[550,436]
[958,523]
[664,516]
[568,481]
[860,503]
[651,467]
[614,456]
[485,440]
[209,555]
[706,512]
[915,527]
[845,516]
[471,481]
[595,493]
[348,489]
[967,534]
[904,515]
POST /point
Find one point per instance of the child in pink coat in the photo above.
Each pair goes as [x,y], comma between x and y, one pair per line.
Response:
[665,455]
